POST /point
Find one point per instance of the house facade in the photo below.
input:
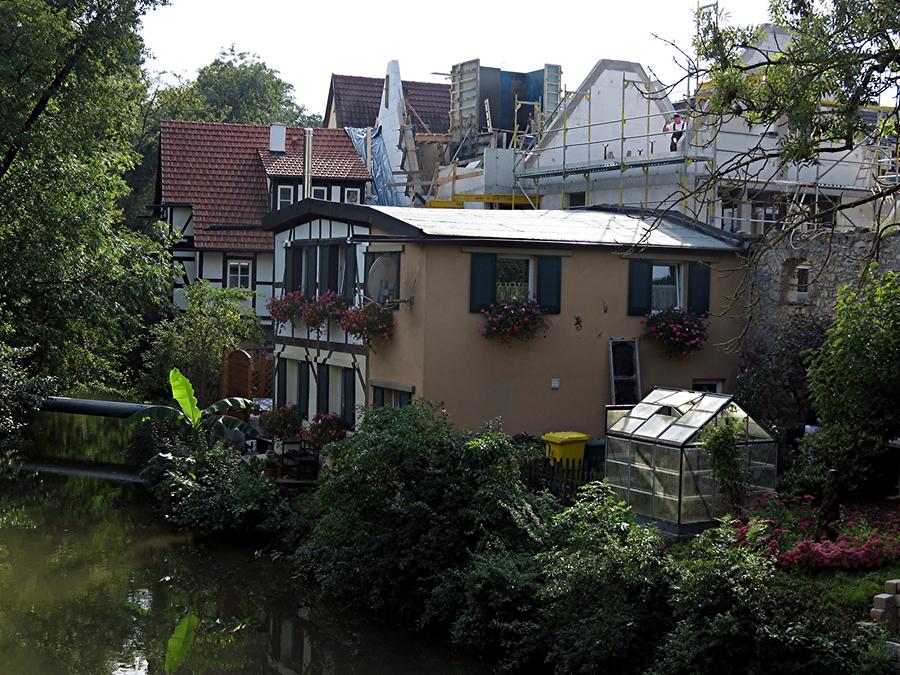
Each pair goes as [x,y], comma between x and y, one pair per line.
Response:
[216,182]
[596,274]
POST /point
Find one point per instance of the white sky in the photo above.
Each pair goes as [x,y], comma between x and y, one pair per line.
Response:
[308,41]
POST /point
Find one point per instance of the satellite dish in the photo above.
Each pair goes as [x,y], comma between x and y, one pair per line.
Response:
[382,279]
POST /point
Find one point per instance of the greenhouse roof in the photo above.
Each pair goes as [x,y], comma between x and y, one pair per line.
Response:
[677,416]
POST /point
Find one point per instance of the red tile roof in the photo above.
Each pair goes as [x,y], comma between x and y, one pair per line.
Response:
[220,171]
[355,101]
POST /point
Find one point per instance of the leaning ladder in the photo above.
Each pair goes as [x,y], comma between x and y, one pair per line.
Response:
[624,371]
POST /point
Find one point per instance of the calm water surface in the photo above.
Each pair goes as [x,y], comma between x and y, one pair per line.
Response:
[91,581]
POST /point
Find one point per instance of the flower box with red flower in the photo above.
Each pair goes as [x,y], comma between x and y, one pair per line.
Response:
[677,331]
[370,322]
[514,320]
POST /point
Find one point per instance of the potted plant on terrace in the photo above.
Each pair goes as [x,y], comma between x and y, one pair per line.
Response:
[287,308]
[678,331]
[369,322]
[514,319]
[318,311]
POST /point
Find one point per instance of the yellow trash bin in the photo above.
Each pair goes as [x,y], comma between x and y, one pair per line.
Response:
[566,447]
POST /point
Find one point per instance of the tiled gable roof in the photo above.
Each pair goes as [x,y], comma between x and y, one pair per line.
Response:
[220,171]
[355,101]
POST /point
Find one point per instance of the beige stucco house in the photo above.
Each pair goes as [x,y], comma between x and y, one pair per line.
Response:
[595,273]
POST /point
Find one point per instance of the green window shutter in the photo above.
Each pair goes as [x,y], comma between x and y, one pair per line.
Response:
[293,269]
[348,400]
[287,279]
[281,379]
[309,270]
[698,287]
[350,272]
[640,273]
[483,281]
[325,269]
[377,397]
[549,273]
[322,394]
[303,389]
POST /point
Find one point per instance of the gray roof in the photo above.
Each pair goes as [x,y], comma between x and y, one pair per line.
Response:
[591,227]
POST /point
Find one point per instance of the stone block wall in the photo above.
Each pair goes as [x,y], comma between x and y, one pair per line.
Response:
[833,258]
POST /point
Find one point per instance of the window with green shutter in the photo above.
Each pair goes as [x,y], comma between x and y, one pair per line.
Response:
[496,277]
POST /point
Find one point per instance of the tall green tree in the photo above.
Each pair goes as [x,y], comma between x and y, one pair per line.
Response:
[834,60]
[241,89]
[236,87]
[76,284]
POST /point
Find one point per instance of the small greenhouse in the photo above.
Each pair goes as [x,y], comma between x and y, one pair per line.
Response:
[655,459]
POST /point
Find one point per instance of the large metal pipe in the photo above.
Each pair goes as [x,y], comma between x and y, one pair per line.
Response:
[87,406]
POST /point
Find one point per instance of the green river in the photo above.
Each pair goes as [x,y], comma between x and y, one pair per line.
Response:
[93,581]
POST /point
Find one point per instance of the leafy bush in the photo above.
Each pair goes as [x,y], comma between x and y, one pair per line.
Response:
[283,422]
[514,319]
[406,500]
[772,386]
[20,396]
[213,490]
[195,340]
[604,602]
[854,379]
[677,331]
[858,458]
[727,462]
[733,616]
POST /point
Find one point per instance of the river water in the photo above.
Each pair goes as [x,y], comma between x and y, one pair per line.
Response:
[92,581]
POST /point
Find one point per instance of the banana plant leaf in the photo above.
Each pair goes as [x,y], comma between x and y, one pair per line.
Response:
[180,642]
[157,413]
[228,404]
[183,392]
[231,424]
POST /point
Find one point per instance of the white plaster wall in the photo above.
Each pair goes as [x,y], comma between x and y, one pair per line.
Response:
[180,216]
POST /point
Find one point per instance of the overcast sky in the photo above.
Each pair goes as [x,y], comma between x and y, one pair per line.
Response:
[308,41]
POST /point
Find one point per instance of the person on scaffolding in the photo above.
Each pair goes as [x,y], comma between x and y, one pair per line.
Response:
[677,128]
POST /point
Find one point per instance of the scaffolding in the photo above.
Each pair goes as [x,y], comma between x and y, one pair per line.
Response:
[614,146]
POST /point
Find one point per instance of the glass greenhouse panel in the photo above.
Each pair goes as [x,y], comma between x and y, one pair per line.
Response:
[644,410]
[679,398]
[711,403]
[618,449]
[626,425]
[666,458]
[678,434]
[695,418]
[657,394]
[654,426]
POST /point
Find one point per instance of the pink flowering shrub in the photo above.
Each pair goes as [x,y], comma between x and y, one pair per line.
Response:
[287,308]
[283,422]
[786,530]
[369,322]
[318,311]
[323,429]
[514,319]
[678,331]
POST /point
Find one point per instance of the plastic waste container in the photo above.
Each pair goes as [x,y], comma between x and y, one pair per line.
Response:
[595,453]
[566,447]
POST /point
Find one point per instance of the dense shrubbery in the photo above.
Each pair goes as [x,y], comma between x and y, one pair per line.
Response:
[790,531]
[424,525]
[20,396]
[733,616]
[211,489]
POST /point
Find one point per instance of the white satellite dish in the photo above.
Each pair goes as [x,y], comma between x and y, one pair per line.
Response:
[382,278]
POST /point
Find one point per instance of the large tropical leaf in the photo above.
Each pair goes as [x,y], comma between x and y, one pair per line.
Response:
[232,424]
[183,392]
[157,413]
[228,404]
[180,642]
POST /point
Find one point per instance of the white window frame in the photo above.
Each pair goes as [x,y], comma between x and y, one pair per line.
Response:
[718,385]
[282,202]
[679,285]
[532,271]
[320,192]
[355,191]
[240,265]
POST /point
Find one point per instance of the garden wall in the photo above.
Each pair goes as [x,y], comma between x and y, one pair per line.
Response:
[832,259]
